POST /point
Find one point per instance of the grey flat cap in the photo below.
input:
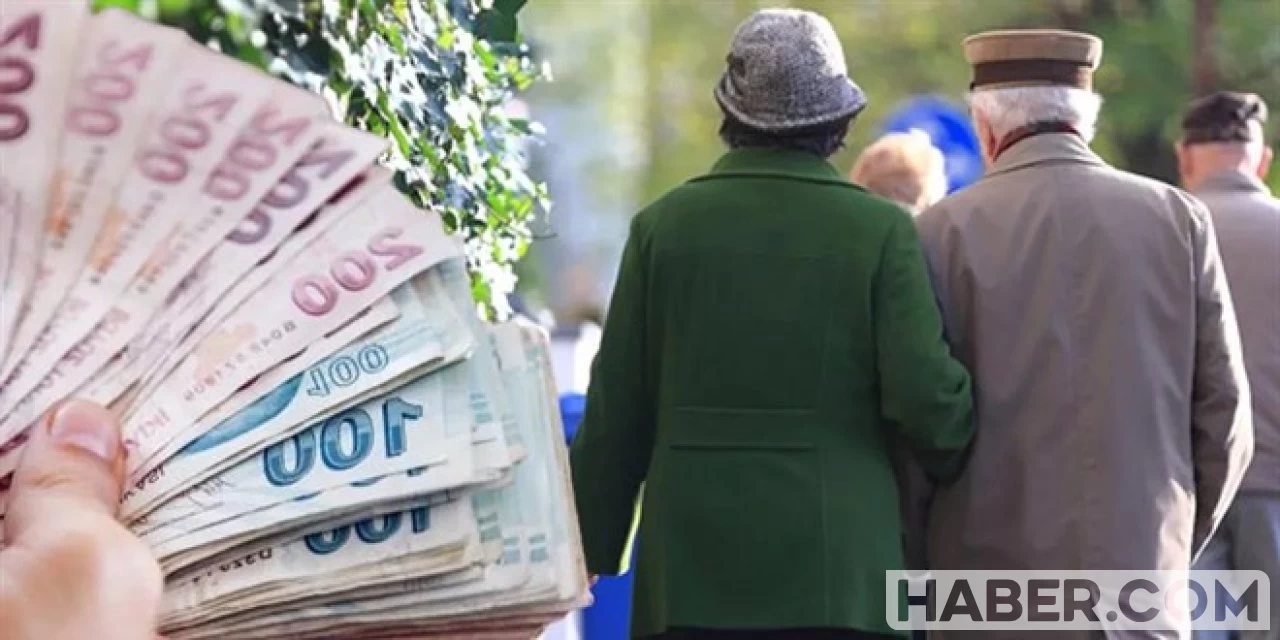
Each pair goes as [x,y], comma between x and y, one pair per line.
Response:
[1225,116]
[786,70]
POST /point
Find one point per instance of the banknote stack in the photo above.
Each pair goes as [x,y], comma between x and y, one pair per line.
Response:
[323,439]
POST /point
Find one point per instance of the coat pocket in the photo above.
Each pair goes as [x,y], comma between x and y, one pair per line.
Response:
[744,530]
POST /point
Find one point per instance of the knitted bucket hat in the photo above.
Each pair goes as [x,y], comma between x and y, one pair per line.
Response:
[785,71]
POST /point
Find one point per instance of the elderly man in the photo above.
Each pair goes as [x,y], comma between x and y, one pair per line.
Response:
[1092,309]
[1222,157]
[772,333]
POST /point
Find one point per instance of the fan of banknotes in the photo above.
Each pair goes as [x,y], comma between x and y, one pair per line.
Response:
[323,438]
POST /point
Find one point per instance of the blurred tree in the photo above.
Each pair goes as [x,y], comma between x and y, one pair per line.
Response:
[595,149]
[1157,57]
[685,45]
[1155,54]
[433,76]
[1206,66]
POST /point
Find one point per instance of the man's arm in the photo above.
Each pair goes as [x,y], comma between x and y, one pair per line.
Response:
[924,390]
[612,449]
[1221,418]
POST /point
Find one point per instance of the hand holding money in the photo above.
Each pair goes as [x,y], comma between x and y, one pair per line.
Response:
[321,439]
[70,570]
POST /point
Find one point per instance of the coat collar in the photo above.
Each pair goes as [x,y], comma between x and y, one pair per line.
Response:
[1045,148]
[1232,181]
[796,165]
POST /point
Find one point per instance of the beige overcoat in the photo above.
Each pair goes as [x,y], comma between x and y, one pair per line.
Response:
[1112,408]
[1247,219]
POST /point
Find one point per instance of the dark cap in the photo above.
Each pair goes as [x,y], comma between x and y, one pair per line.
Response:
[1032,57]
[1224,117]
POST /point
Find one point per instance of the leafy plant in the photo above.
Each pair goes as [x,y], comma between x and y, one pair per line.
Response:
[433,76]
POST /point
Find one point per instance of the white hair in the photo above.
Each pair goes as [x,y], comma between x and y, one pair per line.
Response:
[1010,108]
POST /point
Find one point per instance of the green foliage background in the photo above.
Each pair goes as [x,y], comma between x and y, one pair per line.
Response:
[434,76]
[900,48]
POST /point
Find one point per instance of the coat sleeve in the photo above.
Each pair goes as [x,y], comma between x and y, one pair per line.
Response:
[611,451]
[1221,416]
[924,390]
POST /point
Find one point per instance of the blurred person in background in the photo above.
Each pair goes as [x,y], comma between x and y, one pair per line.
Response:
[905,168]
[1091,306]
[771,329]
[1223,157]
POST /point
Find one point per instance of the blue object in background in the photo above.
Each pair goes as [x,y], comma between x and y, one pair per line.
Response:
[572,406]
[609,617]
[951,131]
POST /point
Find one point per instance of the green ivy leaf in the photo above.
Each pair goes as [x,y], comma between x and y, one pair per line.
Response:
[131,6]
[499,23]
[168,8]
[400,9]
[392,35]
[446,39]
[369,11]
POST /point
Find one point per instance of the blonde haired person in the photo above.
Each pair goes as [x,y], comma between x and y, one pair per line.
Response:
[905,168]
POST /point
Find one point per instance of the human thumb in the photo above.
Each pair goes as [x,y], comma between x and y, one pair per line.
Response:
[77,571]
[73,462]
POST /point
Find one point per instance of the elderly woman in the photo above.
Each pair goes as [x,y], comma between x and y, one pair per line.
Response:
[771,333]
[905,168]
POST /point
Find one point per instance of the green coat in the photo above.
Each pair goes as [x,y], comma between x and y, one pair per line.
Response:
[771,334]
